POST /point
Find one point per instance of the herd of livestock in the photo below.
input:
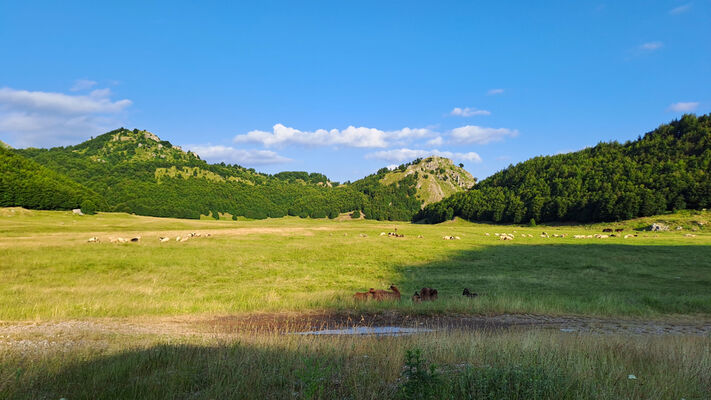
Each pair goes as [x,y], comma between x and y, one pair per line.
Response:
[606,233]
[161,239]
[424,294]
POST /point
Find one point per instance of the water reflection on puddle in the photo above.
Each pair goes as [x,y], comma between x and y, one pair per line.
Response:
[365,330]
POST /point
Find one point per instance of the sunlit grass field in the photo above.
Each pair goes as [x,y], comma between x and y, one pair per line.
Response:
[48,269]
[56,288]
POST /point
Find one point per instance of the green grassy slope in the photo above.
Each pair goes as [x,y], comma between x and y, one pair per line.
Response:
[436,178]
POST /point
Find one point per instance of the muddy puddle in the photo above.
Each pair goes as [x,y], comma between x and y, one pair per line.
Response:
[368,331]
[394,324]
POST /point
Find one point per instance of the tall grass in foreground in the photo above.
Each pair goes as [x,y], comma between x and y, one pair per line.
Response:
[512,365]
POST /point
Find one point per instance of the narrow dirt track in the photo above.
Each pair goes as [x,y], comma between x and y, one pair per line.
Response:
[280,323]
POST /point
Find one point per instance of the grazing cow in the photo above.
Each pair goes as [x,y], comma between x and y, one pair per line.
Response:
[93,239]
[619,229]
[428,294]
[164,239]
[606,230]
[380,295]
[362,296]
[122,240]
[487,234]
[467,293]
[383,233]
[136,239]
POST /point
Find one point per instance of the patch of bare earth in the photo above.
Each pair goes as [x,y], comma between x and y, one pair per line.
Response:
[46,334]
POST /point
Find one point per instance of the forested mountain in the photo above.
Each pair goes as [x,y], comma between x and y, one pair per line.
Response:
[26,183]
[667,169]
[135,171]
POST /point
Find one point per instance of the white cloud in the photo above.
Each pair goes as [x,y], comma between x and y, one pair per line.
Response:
[480,135]
[495,91]
[684,106]
[82,84]
[651,46]
[468,112]
[49,119]
[351,136]
[229,154]
[680,10]
[96,102]
[436,141]
[400,155]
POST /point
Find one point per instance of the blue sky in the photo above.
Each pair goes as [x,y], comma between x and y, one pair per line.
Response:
[345,88]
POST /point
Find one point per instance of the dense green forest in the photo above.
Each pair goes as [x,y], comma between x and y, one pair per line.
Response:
[667,169]
[134,171]
[26,183]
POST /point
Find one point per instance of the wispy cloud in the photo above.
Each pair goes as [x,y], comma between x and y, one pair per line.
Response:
[680,10]
[468,112]
[438,141]
[480,134]
[217,153]
[351,136]
[495,91]
[651,46]
[683,106]
[82,84]
[97,101]
[36,118]
[400,155]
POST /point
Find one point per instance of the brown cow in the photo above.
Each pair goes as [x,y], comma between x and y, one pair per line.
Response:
[428,294]
[363,296]
[380,295]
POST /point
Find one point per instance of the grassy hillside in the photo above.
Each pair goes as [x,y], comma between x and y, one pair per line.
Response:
[435,177]
[137,172]
[50,271]
[666,170]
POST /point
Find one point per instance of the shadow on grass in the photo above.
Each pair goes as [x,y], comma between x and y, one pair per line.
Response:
[243,371]
[598,279]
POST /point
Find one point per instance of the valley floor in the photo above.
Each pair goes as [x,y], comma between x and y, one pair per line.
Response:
[216,316]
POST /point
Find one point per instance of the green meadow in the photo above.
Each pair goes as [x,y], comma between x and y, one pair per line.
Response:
[72,311]
[50,271]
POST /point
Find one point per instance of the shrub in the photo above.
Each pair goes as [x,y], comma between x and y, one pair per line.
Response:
[532,222]
[88,207]
[419,381]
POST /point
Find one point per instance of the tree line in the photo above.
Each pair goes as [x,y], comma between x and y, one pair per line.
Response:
[667,169]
